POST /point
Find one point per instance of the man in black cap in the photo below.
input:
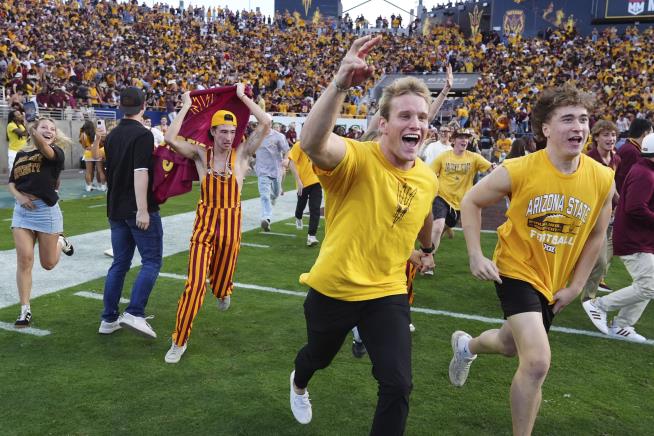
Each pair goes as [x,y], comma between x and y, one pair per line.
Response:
[133,217]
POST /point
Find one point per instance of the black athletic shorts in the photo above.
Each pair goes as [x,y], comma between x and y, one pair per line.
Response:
[517,296]
[441,209]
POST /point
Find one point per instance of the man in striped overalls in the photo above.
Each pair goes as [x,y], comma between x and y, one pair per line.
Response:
[216,237]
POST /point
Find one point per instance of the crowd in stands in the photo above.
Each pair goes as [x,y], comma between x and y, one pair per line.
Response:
[68,55]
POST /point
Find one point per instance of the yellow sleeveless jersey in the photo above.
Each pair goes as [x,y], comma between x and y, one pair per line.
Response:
[373,213]
[456,174]
[549,219]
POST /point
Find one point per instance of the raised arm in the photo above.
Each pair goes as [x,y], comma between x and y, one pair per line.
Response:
[264,123]
[325,148]
[487,192]
[182,147]
[437,103]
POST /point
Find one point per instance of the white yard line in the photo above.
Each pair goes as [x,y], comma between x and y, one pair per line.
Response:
[278,234]
[97,205]
[96,296]
[426,311]
[26,330]
[249,244]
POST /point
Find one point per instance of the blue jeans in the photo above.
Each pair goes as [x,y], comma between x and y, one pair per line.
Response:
[125,236]
[268,191]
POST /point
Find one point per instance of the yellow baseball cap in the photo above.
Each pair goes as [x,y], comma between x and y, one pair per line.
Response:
[223,117]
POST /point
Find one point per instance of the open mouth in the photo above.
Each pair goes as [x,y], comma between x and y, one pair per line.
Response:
[577,140]
[411,139]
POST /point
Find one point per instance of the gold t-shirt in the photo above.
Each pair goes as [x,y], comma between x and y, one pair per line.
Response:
[549,219]
[456,174]
[373,213]
[303,165]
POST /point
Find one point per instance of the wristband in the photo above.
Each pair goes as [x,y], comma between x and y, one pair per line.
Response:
[338,88]
[429,250]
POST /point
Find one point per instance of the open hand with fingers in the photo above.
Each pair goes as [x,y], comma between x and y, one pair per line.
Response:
[354,68]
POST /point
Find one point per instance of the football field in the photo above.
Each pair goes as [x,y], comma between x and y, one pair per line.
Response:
[233,379]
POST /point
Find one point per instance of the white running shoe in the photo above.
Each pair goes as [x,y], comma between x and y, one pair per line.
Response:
[109,252]
[428,272]
[300,404]
[138,324]
[299,224]
[460,364]
[265,225]
[626,333]
[88,188]
[224,303]
[596,315]
[312,241]
[412,328]
[66,246]
[107,328]
[175,353]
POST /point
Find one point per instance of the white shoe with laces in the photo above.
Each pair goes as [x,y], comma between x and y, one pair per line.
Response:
[412,328]
[312,241]
[460,363]
[107,328]
[596,315]
[300,404]
[626,333]
[66,246]
[299,224]
[224,303]
[137,324]
[175,353]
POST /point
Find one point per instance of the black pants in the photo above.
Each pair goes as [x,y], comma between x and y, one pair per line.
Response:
[384,328]
[312,193]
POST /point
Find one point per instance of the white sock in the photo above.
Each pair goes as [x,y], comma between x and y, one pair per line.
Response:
[24,308]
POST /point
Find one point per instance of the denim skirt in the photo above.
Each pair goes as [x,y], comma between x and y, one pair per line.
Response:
[44,219]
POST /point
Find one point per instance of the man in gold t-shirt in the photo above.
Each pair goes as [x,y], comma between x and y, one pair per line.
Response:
[556,222]
[378,198]
[456,170]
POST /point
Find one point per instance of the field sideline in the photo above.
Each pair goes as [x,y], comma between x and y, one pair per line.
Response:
[233,380]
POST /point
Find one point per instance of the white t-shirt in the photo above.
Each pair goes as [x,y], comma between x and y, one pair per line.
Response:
[433,150]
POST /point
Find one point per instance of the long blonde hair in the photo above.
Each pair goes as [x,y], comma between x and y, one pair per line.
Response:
[60,139]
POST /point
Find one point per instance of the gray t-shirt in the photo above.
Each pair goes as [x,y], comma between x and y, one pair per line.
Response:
[270,154]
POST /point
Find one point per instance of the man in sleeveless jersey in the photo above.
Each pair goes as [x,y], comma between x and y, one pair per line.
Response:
[216,237]
[359,276]
[557,218]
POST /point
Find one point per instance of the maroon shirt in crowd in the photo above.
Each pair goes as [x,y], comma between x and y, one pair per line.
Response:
[629,154]
[633,228]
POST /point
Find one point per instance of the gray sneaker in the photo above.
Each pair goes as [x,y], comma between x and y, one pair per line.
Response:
[224,303]
[460,364]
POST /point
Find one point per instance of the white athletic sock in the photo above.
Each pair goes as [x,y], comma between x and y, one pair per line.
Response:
[24,308]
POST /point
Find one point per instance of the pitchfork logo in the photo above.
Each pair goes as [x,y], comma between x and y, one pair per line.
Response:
[636,7]
[307,6]
[405,194]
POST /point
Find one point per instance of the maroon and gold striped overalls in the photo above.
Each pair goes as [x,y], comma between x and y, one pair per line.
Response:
[214,247]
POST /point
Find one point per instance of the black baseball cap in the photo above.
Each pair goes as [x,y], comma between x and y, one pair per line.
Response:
[131,100]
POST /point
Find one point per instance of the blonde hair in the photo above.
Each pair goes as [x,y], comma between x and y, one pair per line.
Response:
[60,139]
[403,86]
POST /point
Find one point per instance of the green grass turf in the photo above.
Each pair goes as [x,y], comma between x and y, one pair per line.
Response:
[233,379]
[90,214]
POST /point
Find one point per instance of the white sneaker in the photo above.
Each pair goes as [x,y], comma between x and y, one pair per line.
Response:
[596,315]
[138,324]
[460,364]
[66,246]
[300,404]
[88,188]
[107,328]
[312,241]
[265,225]
[412,328]
[175,353]
[103,187]
[299,224]
[427,272]
[224,303]
[626,333]
[109,252]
